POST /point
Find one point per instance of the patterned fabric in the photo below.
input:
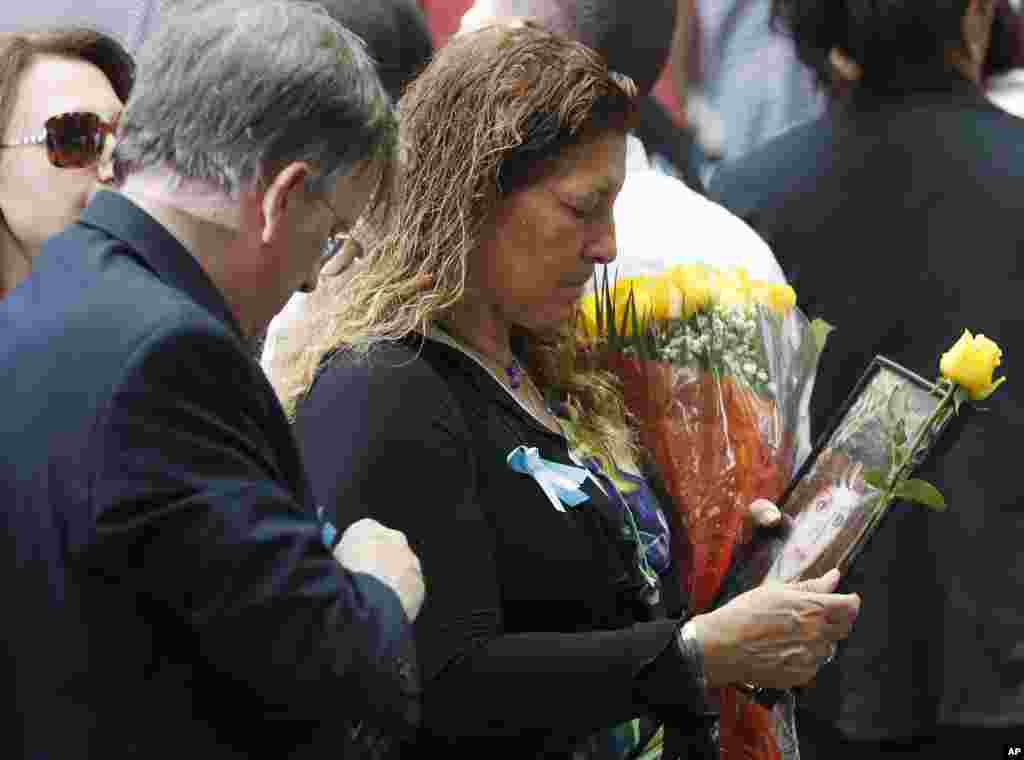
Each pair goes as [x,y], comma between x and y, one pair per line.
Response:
[644,523]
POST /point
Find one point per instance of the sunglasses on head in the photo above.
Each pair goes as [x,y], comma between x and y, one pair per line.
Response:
[74,140]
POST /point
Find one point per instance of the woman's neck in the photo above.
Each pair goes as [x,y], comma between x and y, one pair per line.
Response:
[483,329]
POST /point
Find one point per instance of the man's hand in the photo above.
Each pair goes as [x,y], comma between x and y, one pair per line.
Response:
[776,635]
[369,547]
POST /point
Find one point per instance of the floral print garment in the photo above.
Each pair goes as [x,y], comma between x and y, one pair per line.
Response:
[643,523]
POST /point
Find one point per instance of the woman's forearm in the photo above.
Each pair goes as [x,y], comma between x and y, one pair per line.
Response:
[578,682]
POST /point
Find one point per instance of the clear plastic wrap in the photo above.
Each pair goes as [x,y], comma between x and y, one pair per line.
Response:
[716,371]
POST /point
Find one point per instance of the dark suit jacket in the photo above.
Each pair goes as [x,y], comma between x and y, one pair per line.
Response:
[166,589]
[900,220]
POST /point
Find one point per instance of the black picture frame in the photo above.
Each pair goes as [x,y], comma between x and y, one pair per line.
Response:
[847,513]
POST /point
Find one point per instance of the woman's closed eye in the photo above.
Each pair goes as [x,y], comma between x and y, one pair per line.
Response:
[581,208]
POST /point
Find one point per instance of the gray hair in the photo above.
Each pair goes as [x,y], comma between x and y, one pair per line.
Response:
[227,93]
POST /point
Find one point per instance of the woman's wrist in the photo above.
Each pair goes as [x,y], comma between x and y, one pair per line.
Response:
[692,651]
[713,666]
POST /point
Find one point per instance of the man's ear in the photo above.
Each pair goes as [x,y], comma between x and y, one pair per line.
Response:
[283,192]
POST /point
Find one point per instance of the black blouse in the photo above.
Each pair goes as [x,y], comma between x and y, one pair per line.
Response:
[534,628]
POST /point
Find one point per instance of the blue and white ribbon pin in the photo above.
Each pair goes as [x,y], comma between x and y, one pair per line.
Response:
[560,482]
[327,530]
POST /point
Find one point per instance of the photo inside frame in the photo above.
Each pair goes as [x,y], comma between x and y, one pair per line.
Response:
[832,511]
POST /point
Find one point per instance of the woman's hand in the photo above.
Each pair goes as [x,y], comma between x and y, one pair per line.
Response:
[776,635]
[764,514]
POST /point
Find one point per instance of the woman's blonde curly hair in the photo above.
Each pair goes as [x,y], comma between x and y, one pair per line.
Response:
[487,117]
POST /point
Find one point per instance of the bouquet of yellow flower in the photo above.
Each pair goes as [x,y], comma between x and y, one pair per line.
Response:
[716,370]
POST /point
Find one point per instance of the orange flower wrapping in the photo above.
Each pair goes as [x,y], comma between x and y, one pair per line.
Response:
[714,443]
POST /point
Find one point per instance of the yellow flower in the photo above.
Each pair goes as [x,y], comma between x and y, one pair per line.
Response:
[667,298]
[731,287]
[694,282]
[777,296]
[761,292]
[781,297]
[970,364]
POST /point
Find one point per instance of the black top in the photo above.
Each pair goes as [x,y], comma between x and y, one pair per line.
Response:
[534,630]
[167,588]
[900,219]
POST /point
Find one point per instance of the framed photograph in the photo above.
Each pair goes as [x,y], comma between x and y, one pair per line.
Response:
[833,512]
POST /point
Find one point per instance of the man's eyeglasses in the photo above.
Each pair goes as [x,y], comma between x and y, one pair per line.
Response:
[336,240]
[333,246]
[75,140]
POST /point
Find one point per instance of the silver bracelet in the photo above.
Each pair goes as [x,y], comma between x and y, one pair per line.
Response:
[693,652]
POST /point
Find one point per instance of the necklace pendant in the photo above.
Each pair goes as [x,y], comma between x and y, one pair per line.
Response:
[514,371]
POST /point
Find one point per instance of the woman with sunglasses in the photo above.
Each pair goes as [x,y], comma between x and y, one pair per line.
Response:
[60,94]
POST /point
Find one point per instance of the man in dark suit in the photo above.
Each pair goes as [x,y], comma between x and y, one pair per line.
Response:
[170,591]
[899,218]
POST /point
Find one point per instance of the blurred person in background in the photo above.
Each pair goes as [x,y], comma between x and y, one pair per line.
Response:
[751,80]
[61,93]
[1004,68]
[897,217]
[128,21]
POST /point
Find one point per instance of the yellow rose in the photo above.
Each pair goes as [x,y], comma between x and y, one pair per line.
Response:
[781,297]
[970,364]
[694,282]
[666,297]
[761,292]
[731,288]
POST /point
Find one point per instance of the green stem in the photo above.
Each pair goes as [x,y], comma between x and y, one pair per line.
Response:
[897,474]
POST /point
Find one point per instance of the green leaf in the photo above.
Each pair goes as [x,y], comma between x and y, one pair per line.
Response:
[634,317]
[922,492]
[900,434]
[820,329]
[876,479]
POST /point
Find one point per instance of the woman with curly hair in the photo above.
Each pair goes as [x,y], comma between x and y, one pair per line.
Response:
[447,377]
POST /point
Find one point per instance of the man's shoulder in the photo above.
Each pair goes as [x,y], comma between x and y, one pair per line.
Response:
[794,151]
[90,303]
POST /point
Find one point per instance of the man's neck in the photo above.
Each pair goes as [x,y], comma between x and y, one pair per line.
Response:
[205,225]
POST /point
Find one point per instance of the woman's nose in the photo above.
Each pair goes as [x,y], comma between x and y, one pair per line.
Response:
[603,249]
